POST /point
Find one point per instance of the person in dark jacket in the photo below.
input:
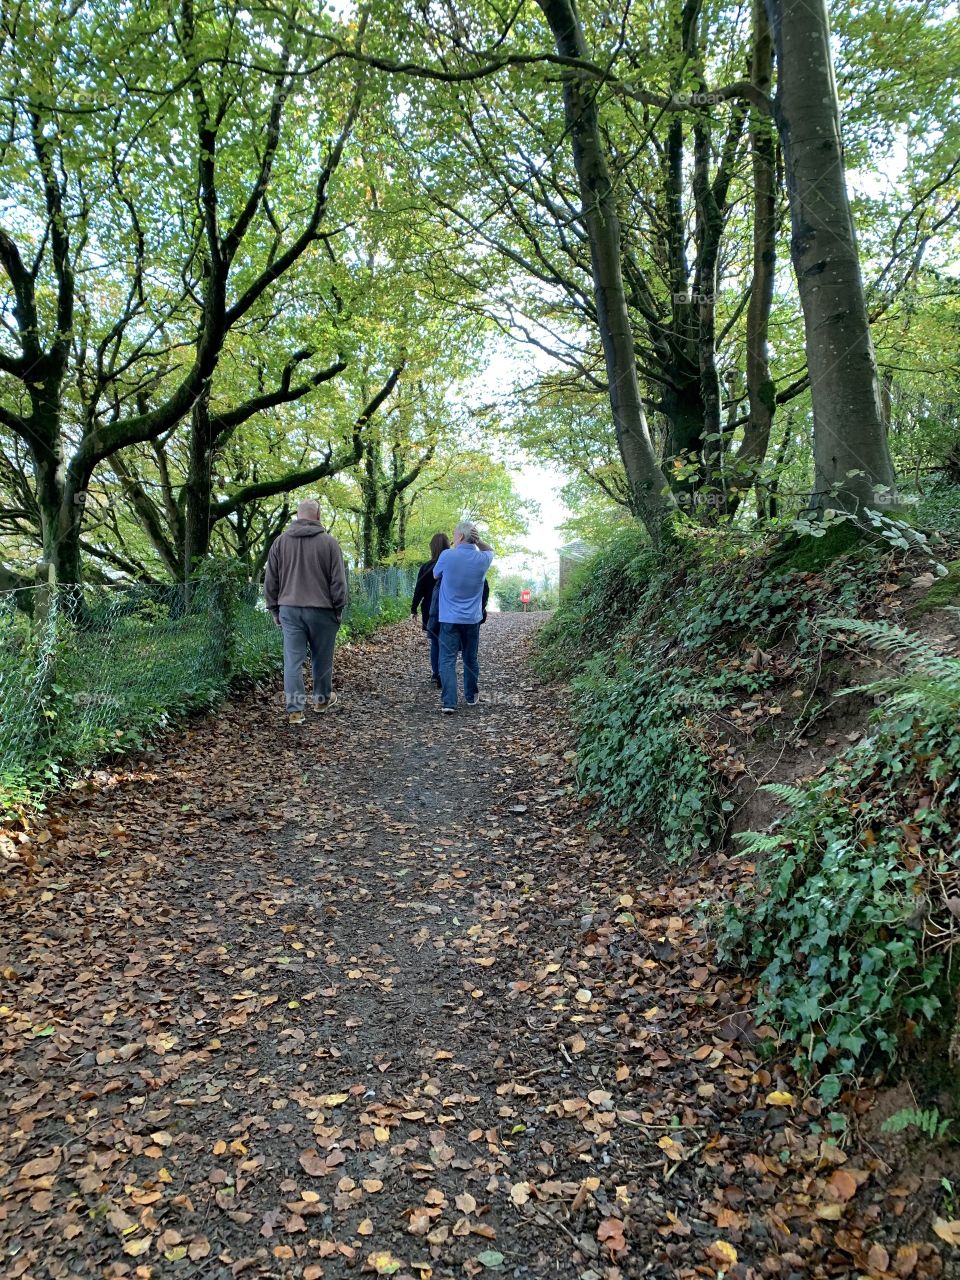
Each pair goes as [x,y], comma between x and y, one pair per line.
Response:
[423,597]
[306,591]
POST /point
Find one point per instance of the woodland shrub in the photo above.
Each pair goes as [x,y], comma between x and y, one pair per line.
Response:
[604,594]
[937,506]
[852,915]
[658,656]
[851,911]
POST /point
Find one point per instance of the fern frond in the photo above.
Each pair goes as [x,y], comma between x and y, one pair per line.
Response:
[887,638]
[930,684]
[791,795]
[758,843]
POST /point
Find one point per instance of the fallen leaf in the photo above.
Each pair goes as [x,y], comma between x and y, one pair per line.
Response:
[610,1235]
[829,1211]
[948,1231]
[841,1185]
[878,1260]
[385,1264]
[724,1252]
[905,1263]
[41,1165]
[313,1163]
[780,1099]
[137,1247]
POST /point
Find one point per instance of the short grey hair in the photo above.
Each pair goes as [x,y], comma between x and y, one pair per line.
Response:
[309,509]
[465,529]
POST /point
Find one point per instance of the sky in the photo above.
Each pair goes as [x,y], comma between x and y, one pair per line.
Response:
[541,484]
[509,366]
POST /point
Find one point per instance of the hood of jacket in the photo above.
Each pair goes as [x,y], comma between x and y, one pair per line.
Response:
[305,529]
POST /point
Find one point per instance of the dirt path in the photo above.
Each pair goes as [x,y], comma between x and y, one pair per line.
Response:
[370,997]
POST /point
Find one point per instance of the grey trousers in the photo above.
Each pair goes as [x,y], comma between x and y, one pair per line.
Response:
[313,630]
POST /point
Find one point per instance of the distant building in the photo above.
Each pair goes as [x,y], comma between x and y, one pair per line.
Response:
[571,557]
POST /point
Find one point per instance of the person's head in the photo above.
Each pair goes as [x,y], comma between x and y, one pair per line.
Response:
[439,542]
[466,531]
[309,509]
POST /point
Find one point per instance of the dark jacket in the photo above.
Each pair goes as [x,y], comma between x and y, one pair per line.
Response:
[305,568]
[423,592]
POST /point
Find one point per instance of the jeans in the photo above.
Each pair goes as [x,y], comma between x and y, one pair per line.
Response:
[434,653]
[457,637]
[313,630]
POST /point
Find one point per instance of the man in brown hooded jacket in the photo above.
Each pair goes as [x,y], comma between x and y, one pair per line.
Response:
[306,591]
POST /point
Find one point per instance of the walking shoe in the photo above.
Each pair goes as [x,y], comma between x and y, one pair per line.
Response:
[449,711]
[472,702]
[320,707]
[437,681]
[295,717]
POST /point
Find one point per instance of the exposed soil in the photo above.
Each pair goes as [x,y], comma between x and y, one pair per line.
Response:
[371,996]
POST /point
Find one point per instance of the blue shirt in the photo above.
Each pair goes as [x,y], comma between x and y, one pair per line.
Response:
[461,571]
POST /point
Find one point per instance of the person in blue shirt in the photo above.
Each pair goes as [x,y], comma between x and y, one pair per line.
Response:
[461,571]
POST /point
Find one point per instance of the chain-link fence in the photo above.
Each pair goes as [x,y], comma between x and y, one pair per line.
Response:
[92,669]
[370,587]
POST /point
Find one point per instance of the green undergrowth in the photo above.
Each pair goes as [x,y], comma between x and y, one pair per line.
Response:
[852,915]
[847,909]
[364,618]
[114,679]
[667,657]
[944,593]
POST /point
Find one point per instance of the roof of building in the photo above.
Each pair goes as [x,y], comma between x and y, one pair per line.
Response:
[576,550]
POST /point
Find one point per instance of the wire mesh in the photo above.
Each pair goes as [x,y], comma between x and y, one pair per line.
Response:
[388,582]
[89,669]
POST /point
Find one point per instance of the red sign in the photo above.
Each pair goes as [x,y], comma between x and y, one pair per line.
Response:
[524,597]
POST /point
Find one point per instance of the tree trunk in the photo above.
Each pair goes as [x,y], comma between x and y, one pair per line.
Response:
[886,399]
[850,449]
[709,230]
[384,536]
[682,407]
[651,500]
[402,518]
[60,500]
[367,517]
[199,487]
[760,386]
[761,390]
